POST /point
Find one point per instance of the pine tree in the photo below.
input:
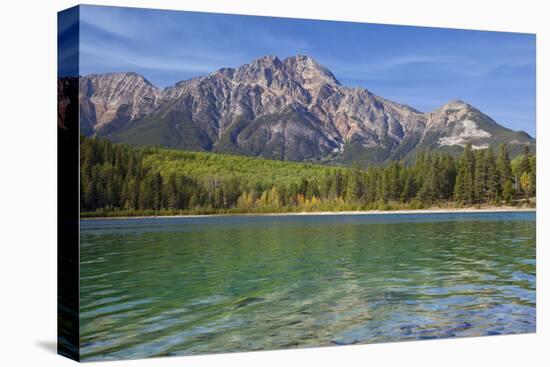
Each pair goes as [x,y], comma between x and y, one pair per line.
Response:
[394,187]
[146,195]
[420,169]
[493,180]
[157,191]
[505,172]
[464,189]
[90,195]
[425,177]
[355,187]
[327,185]
[170,192]
[218,198]
[431,188]
[115,190]
[480,176]
[448,171]
[435,179]
[312,190]
[524,165]
[303,186]
[409,187]
[134,193]
[338,183]
[508,191]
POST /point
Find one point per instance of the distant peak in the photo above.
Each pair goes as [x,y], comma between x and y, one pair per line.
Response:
[267,59]
[457,101]
[304,63]
[125,74]
[301,57]
[455,104]
[135,75]
[302,60]
[128,75]
[227,72]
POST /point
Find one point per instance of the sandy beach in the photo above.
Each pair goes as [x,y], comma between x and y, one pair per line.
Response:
[495,209]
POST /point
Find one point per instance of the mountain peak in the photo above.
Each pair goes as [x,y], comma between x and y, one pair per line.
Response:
[265,62]
[302,58]
[103,94]
[292,109]
[455,104]
[308,68]
[266,59]
[117,77]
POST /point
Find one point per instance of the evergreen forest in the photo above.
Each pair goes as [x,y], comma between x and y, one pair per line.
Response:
[122,180]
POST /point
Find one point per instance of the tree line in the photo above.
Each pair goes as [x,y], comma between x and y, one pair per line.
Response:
[123,180]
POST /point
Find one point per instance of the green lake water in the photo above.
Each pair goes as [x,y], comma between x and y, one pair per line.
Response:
[182,286]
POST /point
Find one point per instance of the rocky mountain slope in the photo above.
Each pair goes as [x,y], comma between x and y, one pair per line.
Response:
[291,109]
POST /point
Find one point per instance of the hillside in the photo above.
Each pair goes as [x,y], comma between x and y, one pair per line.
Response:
[123,180]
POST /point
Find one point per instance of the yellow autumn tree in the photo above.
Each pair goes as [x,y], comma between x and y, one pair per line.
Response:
[525,182]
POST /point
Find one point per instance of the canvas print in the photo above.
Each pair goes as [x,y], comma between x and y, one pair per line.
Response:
[233,183]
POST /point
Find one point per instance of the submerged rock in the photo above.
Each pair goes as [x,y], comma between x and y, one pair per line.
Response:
[248,300]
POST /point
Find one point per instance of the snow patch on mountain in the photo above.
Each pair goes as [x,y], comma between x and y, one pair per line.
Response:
[464,131]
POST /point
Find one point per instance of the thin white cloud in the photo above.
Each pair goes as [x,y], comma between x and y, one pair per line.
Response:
[461,65]
[191,63]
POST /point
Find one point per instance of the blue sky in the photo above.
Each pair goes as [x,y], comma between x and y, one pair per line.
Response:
[419,66]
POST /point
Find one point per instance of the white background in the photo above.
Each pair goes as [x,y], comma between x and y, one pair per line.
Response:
[28,181]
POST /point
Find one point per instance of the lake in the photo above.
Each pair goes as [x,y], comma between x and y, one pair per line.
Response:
[183,286]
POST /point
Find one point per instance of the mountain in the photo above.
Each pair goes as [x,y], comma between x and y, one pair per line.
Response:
[108,102]
[292,109]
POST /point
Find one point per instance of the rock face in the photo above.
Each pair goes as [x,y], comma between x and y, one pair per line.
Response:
[291,109]
[113,100]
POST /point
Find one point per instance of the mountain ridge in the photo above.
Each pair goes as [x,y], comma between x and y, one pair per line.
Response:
[291,109]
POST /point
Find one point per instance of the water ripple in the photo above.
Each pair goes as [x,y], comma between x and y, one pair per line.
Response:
[195,285]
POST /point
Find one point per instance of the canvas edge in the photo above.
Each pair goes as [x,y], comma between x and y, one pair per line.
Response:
[68,177]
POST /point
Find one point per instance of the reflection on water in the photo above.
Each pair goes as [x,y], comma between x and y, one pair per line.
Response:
[183,286]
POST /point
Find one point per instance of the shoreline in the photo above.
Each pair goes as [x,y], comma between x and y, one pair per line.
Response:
[503,209]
